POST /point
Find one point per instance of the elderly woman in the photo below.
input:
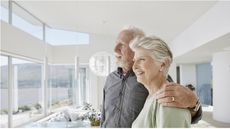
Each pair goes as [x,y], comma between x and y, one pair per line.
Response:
[151,63]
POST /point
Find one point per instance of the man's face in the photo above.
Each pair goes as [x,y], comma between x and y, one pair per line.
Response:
[123,53]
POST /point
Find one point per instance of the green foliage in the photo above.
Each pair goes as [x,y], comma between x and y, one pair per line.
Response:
[4,111]
[93,115]
[56,103]
[37,106]
[94,120]
[24,108]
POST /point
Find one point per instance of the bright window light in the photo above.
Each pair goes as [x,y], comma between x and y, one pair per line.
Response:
[24,21]
[28,23]
[63,37]
[27,91]
[4,92]
[61,81]
[4,11]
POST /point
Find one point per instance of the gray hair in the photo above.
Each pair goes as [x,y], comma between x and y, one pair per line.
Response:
[157,47]
[134,31]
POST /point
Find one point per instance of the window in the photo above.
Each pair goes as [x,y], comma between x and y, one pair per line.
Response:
[4,92]
[83,84]
[204,83]
[61,81]
[4,11]
[62,37]
[27,92]
[26,22]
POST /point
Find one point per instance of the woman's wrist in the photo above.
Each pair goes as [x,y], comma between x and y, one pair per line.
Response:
[196,107]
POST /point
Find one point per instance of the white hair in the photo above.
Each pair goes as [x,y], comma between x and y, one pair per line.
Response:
[157,47]
[135,31]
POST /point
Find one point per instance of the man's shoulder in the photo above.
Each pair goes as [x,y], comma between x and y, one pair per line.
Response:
[113,74]
[112,78]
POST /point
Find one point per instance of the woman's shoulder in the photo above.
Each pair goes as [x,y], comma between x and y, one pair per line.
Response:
[173,117]
[173,112]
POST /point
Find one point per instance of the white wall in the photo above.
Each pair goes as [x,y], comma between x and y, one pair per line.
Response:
[213,24]
[188,74]
[172,71]
[221,86]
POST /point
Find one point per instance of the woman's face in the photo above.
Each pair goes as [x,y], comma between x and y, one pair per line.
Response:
[145,67]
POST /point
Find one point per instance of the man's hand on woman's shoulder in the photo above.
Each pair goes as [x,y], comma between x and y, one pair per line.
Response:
[176,95]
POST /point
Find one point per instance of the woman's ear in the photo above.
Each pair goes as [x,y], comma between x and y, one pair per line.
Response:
[162,66]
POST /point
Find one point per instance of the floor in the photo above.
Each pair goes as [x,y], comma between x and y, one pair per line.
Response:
[208,121]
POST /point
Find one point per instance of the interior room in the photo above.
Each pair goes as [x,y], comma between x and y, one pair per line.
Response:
[56,55]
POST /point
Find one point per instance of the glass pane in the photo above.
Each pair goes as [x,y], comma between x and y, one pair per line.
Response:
[61,80]
[4,11]
[82,83]
[26,22]
[4,92]
[27,92]
[62,37]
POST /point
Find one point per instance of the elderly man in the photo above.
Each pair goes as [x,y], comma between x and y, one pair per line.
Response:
[124,97]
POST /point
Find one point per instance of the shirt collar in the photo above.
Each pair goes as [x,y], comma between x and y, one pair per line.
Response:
[129,73]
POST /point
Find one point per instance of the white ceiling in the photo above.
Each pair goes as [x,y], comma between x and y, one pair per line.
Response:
[205,52]
[164,19]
